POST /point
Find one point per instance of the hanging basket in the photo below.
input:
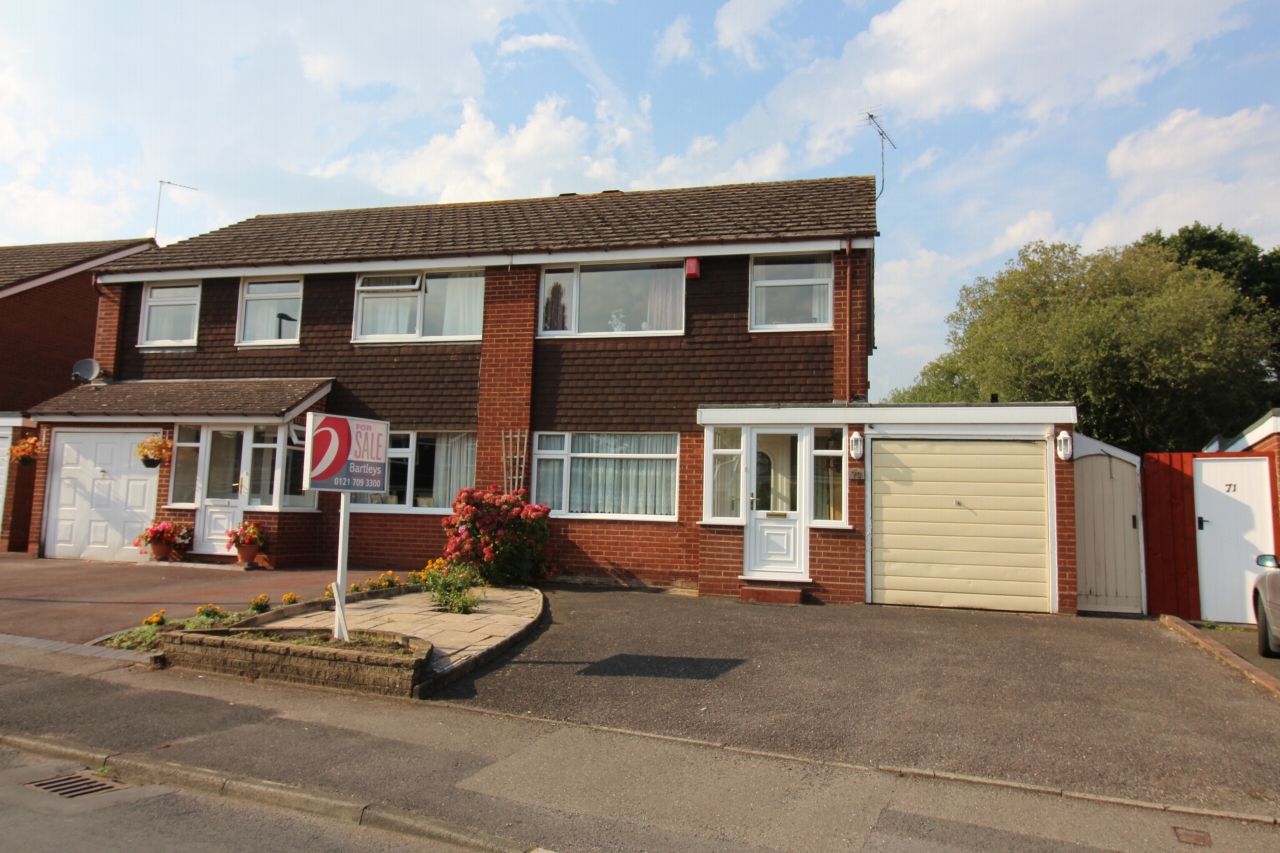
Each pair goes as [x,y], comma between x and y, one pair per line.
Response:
[26,461]
[151,462]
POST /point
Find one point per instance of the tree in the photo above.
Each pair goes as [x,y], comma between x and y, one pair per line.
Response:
[1157,355]
[1254,273]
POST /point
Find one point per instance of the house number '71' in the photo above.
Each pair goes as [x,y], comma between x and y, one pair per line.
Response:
[1231,487]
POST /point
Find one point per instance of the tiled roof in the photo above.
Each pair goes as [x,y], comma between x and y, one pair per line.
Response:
[269,398]
[784,210]
[23,263]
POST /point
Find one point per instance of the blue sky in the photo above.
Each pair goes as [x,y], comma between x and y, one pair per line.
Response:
[1015,120]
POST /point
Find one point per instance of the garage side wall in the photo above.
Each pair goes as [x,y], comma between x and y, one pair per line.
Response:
[1064,484]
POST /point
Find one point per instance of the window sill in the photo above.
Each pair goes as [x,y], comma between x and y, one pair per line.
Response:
[778,578]
[607,516]
[719,522]
[765,330]
[401,509]
[267,344]
[168,347]
[830,525]
[180,506]
[399,342]
[560,336]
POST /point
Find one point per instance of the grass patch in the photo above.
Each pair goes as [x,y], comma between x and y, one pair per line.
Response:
[146,638]
[359,644]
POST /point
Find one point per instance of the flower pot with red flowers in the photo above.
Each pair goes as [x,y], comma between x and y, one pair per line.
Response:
[154,451]
[163,538]
[248,541]
[24,452]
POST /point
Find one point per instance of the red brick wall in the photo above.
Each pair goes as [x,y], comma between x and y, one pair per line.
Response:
[381,541]
[15,525]
[1064,482]
[506,364]
[44,331]
[107,327]
[852,339]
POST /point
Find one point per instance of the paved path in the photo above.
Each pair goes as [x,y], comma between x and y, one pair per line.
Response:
[455,637]
[77,601]
[568,788]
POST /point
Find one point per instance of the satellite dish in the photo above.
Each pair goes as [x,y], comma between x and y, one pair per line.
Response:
[86,370]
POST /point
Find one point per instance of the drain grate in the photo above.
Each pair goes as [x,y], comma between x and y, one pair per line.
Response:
[74,785]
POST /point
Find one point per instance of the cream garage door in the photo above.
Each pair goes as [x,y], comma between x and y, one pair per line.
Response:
[101,496]
[960,524]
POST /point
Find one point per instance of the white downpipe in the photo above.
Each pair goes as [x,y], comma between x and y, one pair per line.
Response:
[340,588]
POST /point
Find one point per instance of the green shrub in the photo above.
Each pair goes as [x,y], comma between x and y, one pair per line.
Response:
[451,588]
[500,537]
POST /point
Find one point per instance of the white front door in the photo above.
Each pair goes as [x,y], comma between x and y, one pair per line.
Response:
[1233,526]
[101,496]
[222,505]
[776,547]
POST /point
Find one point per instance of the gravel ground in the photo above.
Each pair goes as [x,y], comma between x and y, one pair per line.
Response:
[1103,705]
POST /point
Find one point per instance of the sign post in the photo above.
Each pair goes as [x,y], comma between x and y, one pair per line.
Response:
[345,455]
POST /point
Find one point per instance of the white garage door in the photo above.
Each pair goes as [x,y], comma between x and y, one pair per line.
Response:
[960,524]
[101,496]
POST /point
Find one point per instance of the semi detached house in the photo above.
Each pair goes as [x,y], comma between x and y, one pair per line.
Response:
[681,375]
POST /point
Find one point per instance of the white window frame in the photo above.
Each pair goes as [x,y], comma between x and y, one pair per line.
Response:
[420,277]
[281,445]
[245,297]
[808,448]
[568,456]
[199,445]
[843,522]
[148,302]
[408,453]
[708,476]
[753,326]
[572,331]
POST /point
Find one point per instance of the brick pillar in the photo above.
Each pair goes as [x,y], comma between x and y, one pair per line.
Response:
[16,522]
[852,273]
[36,527]
[106,344]
[506,364]
[1064,477]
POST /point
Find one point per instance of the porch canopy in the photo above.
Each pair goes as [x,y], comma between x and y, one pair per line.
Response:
[227,401]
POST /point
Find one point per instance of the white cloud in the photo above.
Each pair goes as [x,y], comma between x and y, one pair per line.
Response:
[85,203]
[1196,167]
[674,44]
[542,41]
[741,23]
[1036,225]
[546,156]
[924,161]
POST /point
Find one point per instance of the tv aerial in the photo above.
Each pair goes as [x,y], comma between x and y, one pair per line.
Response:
[874,121]
[155,233]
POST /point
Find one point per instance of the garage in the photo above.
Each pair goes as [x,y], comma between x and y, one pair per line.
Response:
[960,524]
[100,496]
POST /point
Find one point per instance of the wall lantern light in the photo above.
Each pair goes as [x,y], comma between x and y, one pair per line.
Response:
[1064,446]
[855,444]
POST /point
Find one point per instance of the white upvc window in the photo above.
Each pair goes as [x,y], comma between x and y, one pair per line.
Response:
[607,475]
[830,474]
[411,307]
[612,299]
[186,465]
[170,314]
[725,473]
[270,311]
[791,292]
[272,452]
[425,471]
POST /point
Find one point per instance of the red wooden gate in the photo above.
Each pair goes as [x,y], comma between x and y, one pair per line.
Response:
[1169,531]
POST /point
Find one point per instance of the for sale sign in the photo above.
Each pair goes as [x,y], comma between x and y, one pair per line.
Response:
[346,454]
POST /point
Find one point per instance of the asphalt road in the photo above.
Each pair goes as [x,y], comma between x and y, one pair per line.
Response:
[77,601]
[1244,642]
[1109,706]
[154,818]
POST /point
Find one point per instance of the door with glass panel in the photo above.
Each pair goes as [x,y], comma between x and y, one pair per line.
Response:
[776,547]
[240,474]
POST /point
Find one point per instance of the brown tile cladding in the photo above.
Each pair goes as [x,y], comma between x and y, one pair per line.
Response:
[635,384]
[420,386]
[782,210]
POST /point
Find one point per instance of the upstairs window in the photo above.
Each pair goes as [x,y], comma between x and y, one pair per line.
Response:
[169,312]
[613,299]
[790,292]
[270,311]
[417,307]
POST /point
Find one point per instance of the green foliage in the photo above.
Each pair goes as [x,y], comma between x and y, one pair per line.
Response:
[451,588]
[500,537]
[1240,260]
[143,639]
[1157,355]
[261,604]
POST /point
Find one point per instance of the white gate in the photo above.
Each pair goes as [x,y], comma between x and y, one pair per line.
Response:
[1233,526]
[1108,528]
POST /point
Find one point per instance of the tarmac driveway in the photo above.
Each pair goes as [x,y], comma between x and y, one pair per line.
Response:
[77,601]
[1109,706]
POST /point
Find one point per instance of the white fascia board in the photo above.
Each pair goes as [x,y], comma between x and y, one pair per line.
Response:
[1268,426]
[883,416]
[78,268]
[568,256]
[14,419]
[191,418]
[1083,445]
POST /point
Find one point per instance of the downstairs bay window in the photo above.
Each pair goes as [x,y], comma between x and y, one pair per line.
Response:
[607,475]
[425,471]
